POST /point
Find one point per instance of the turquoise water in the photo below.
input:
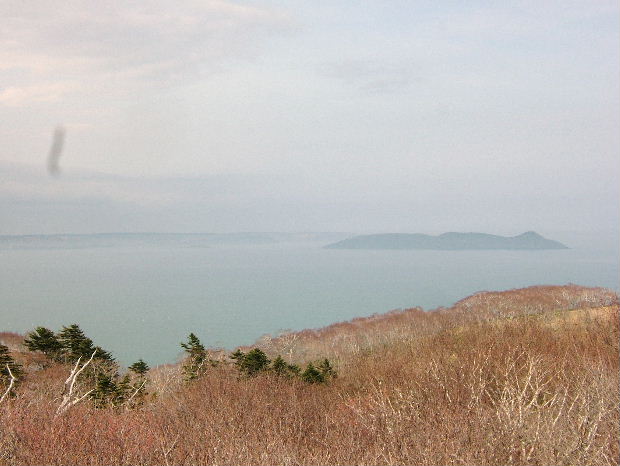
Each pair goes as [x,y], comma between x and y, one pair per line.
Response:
[140,303]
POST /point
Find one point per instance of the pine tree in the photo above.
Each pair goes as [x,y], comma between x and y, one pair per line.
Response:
[196,357]
[327,370]
[75,343]
[294,369]
[7,360]
[255,361]
[44,340]
[136,390]
[239,357]
[103,355]
[281,368]
[106,392]
[250,363]
[124,390]
[139,368]
[193,346]
[312,375]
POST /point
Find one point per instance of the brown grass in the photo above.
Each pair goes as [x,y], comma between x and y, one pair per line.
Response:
[530,384]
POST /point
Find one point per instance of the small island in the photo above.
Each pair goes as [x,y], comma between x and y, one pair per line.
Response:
[451,241]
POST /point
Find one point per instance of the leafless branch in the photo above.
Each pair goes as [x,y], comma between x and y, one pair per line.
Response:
[68,398]
[136,392]
[11,384]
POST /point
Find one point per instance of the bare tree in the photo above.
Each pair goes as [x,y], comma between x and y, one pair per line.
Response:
[68,397]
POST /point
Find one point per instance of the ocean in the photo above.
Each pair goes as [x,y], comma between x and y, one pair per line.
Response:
[141,302]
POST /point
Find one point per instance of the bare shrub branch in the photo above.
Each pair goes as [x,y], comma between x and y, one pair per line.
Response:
[11,384]
[68,397]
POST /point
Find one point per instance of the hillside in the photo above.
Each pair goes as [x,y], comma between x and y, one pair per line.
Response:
[527,376]
[447,241]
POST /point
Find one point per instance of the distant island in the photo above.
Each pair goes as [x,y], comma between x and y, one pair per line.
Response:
[451,241]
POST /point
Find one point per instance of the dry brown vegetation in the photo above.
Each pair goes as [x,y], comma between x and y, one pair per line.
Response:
[519,377]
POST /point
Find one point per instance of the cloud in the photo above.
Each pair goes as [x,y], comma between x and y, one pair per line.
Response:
[17,96]
[372,76]
[22,183]
[50,49]
[33,202]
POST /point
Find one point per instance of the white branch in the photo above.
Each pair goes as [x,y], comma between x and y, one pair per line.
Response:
[83,367]
[136,392]
[68,385]
[11,383]
[67,393]
[77,400]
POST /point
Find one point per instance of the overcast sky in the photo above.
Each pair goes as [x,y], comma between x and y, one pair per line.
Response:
[215,116]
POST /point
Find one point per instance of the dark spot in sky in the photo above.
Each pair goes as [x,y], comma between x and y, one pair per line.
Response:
[53,158]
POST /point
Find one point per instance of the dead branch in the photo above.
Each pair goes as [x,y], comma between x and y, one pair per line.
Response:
[11,384]
[68,398]
[136,392]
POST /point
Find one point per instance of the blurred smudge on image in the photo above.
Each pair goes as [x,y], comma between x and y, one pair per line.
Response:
[53,158]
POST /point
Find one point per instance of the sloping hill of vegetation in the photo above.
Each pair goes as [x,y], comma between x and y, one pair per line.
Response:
[527,376]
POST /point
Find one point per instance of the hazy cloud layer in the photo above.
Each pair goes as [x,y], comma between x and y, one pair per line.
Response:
[33,202]
[372,76]
[52,50]
[266,115]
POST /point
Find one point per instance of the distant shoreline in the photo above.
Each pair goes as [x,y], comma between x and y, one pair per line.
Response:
[200,240]
[451,241]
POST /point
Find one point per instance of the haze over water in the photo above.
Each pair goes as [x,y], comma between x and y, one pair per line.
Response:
[140,302]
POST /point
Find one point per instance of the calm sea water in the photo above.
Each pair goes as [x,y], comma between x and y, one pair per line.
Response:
[140,303]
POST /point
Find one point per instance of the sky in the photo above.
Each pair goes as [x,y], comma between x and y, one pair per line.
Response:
[394,116]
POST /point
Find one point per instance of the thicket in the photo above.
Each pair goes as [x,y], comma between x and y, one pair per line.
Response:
[442,387]
[96,375]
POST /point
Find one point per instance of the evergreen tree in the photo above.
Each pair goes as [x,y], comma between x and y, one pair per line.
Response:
[139,368]
[7,360]
[327,370]
[196,357]
[103,355]
[312,375]
[101,374]
[106,392]
[193,346]
[124,390]
[250,363]
[255,361]
[239,357]
[136,390]
[281,368]
[294,369]
[44,340]
[75,343]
